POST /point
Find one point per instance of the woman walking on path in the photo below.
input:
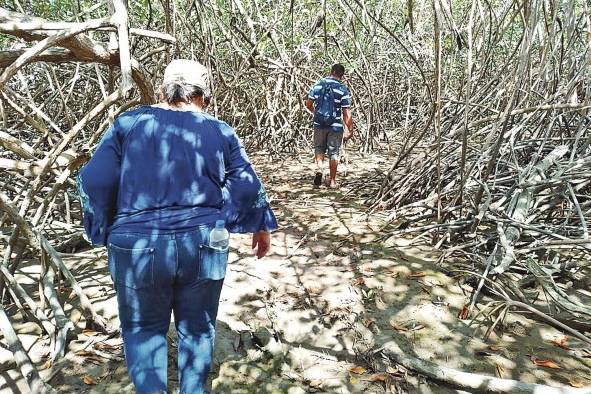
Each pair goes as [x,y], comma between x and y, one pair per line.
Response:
[156,185]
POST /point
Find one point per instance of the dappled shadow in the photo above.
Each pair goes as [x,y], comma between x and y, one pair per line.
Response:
[331,293]
[333,290]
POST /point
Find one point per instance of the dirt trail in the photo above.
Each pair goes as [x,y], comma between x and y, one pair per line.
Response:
[310,316]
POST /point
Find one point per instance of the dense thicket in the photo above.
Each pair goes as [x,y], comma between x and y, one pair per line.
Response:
[485,105]
[504,182]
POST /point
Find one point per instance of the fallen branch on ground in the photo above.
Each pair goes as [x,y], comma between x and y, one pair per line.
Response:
[471,381]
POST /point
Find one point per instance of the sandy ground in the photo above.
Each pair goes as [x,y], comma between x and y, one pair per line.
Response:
[309,317]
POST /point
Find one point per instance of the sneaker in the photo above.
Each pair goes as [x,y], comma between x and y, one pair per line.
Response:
[318,179]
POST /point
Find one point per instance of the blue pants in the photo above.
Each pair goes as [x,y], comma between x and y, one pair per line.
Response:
[154,275]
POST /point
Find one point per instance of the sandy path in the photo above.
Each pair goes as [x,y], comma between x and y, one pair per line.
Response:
[309,317]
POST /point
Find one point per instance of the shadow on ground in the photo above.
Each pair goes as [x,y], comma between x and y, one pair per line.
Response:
[310,317]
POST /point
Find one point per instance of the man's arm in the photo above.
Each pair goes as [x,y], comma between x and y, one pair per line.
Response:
[348,120]
[310,105]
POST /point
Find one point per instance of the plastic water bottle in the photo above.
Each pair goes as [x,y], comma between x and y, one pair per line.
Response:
[219,237]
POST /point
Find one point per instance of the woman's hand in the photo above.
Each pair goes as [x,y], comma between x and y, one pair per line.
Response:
[262,242]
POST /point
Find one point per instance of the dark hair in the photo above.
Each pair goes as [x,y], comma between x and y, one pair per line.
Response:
[338,70]
[176,92]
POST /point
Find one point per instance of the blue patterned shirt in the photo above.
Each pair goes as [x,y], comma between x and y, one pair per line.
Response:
[158,169]
[341,95]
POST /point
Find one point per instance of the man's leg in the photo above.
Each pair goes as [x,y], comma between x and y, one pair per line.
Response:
[319,159]
[333,164]
[334,141]
[320,146]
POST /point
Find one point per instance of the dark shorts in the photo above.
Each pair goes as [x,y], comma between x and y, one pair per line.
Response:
[327,141]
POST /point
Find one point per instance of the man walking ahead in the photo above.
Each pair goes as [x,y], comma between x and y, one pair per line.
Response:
[327,99]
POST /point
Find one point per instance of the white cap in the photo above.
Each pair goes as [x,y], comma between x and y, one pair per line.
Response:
[186,71]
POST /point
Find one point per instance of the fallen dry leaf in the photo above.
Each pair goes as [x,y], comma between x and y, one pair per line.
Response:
[313,290]
[419,274]
[357,370]
[398,327]
[315,383]
[418,327]
[500,371]
[368,322]
[367,269]
[84,353]
[379,377]
[105,346]
[398,370]
[576,383]
[561,342]
[545,363]
[352,379]
[87,379]
[47,364]
[89,332]
[494,348]
[463,315]
[359,282]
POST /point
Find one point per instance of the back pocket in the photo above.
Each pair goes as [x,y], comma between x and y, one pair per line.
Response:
[132,267]
[212,263]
